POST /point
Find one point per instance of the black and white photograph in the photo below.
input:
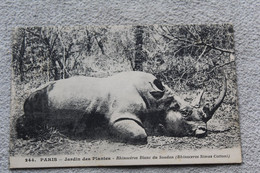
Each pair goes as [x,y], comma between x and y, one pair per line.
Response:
[123,95]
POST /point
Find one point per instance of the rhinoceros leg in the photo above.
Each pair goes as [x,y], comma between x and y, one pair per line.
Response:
[130,131]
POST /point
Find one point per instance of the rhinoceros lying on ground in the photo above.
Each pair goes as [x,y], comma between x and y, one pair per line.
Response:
[120,103]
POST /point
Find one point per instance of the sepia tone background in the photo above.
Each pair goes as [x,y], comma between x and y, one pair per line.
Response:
[188,58]
[244,16]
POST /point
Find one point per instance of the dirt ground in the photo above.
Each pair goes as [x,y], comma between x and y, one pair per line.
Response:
[219,137]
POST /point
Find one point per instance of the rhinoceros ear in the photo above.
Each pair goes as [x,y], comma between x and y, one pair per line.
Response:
[157,94]
[158,91]
[158,84]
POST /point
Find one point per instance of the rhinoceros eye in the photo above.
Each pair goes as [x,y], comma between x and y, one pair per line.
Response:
[158,84]
[188,118]
[186,112]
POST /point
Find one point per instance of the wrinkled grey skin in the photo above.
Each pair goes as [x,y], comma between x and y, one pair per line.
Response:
[120,103]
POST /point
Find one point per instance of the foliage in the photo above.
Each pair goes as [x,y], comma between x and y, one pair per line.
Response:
[188,54]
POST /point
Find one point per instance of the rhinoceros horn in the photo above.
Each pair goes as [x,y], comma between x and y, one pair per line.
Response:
[210,110]
[197,100]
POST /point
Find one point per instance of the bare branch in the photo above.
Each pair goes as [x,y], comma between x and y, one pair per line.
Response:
[219,49]
[99,45]
[197,43]
[218,66]
[202,53]
[188,30]
[176,38]
[54,42]
[37,35]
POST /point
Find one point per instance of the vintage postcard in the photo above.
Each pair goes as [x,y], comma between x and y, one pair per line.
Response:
[124,95]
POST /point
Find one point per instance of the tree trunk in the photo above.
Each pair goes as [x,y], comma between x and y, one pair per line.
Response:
[139,58]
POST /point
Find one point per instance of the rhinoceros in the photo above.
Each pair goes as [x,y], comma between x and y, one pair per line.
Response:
[120,104]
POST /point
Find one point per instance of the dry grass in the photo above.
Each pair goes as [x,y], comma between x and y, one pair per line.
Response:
[57,144]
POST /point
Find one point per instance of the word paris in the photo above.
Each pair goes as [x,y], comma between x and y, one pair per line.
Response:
[123,95]
[68,159]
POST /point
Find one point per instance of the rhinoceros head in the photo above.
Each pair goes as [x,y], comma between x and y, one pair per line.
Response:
[191,118]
